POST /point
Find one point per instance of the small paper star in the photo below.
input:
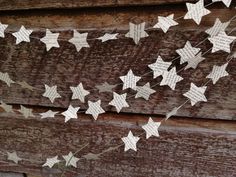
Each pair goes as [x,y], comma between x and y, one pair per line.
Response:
[94,109]
[218,27]
[187,53]
[79,92]
[105,87]
[172,112]
[218,72]
[221,42]
[26,111]
[71,113]
[5,78]
[130,80]
[79,40]
[13,157]
[165,22]
[193,63]
[22,35]
[151,128]
[50,162]
[136,32]
[119,101]
[159,67]
[130,141]
[50,39]
[2,29]
[226,2]
[71,160]
[25,85]
[51,93]
[170,78]
[196,94]
[144,91]
[48,114]
[6,107]
[107,37]
[196,11]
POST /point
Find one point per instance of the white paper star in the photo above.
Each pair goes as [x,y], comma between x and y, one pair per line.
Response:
[144,91]
[217,27]
[196,94]
[94,109]
[136,32]
[221,42]
[13,157]
[193,63]
[165,22]
[71,160]
[151,128]
[218,72]
[5,78]
[130,141]
[170,78]
[79,40]
[226,2]
[2,29]
[50,39]
[48,114]
[22,35]
[25,85]
[159,67]
[119,101]
[105,87]
[51,93]
[130,80]
[79,92]
[172,112]
[71,113]
[6,107]
[187,53]
[107,37]
[26,111]
[50,162]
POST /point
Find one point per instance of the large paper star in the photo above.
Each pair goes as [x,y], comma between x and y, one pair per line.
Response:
[71,113]
[48,114]
[217,28]
[71,160]
[105,87]
[2,29]
[165,22]
[107,37]
[226,2]
[130,80]
[50,39]
[151,128]
[5,78]
[51,93]
[13,157]
[79,92]
[22,35]
[79,40]
[144,91]
[27,112]
[119,101]
[130,141]
[50,162]
[218,72]
[136,32]
[94,109]
[193,63]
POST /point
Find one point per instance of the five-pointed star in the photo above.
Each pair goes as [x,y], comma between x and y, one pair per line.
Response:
[136,32]
[119,101]
[196,11]
[105,87]
[159,67]
[170,78]
[217,27]
[50,39]
[26,111]
[51,93]
[5,78]
[13,157]
[2,29]
[218,72]
[6,107]
[196,94]
[193,63]
[172,112]
[79,92]
[25,85]
[130,80]
[107,37]
[22,35]
[50,162]
[187,53]
[48,114]
[165,22]
[221,42]
[151,128]
[94,109]
[144,91]
[70,159]
[226,2]
[79,40]
[130,141]
[71,113]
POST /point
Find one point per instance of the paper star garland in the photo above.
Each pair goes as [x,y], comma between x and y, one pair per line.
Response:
[71,113]
[130,80]
[226,2]
[50,162]
[107,37]
[136,32]
[50,39]
[151,128]
[196,11]
[130,141]
[26,112]
[105,87]
[22,35]
[71,160]
[165,23]
[170,78]
[196,94]
[144,91]
[25,85]
[13,157]
[218,72]
[79,40]
[159,67]
[221,42]
[6,107]
[187,53]
[195,61]
[94,109]
[172,112]
[51,93]
[5,78]
[2,29]
[119,101]
[79,92]
[48,114]
[218,27]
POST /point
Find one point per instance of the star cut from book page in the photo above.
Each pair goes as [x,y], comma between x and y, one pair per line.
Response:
[79,92]
[107,37]
[217,27]
[119,101]
[3,27]
[130,80]
[70,113]
[172,113]
[5,78]
[226,2]
[51,93]
[50,162]
[195,61]
[71,160]
[48,114]
[94,109]
[50,40]
[144,91]
[196,11]
[130,141]
[79,40]
[218,72]
[25,85]
[6,107]
[27,112]
[151,128]
[136,32]
[165,22]
[13,157]
[22,35]
[105,87]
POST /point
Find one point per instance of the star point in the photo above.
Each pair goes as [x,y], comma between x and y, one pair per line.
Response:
[130,141]
[22,35]
[218,72]
[51,93]
[50,40]
[79,40]
[136,32]
[226,2]
[119,101]
[130,80]
[94,109]
[151,128]
[70,113]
